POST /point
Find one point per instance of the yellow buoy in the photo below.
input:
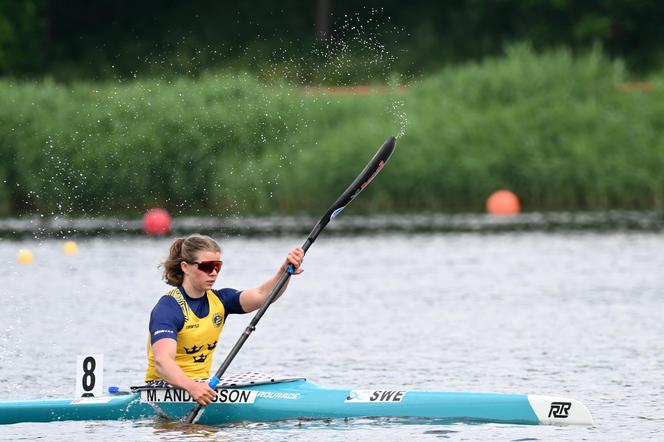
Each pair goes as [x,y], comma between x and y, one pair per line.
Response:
[70,248]
[24,256]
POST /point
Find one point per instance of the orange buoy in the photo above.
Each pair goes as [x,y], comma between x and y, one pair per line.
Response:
[503,202]
[157,222]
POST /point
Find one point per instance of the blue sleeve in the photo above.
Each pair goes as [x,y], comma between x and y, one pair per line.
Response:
[166,319]
[231,300]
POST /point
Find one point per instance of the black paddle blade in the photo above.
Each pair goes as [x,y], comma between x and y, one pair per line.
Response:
[363,179]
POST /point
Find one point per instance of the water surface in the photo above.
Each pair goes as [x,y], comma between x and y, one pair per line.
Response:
[564,313]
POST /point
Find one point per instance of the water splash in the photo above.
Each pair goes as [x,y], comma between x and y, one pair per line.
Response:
[399,113]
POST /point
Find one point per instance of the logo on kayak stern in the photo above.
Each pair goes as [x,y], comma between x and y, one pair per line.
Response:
[217,320]
[365,396]
[560,409]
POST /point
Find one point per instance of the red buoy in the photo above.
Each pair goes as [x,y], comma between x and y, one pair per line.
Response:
[157,222]
[503,202]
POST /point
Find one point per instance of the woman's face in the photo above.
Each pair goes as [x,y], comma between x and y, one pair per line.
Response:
[202,276]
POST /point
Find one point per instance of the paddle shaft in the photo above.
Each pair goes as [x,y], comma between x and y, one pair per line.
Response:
[363,179]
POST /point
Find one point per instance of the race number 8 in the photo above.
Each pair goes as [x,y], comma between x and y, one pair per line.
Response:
[88,381]
[89,375]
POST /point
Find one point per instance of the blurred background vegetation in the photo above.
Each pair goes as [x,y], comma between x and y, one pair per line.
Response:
[118,38]
[208,107]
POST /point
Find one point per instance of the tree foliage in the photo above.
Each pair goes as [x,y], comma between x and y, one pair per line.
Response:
[120,38]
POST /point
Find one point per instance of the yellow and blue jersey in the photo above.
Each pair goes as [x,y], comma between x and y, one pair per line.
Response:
[195,324]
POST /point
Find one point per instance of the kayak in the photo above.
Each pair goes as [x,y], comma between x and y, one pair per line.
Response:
[261,398]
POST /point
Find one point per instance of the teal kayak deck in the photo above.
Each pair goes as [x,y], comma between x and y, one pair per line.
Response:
[300,399]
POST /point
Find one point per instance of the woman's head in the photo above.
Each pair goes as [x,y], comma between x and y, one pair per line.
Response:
[188,250]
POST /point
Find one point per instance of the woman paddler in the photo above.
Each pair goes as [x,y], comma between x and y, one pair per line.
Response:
[186,322]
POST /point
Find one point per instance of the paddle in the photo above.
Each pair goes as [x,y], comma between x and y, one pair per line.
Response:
[363,179]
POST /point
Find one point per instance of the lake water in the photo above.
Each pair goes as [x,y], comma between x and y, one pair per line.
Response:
[577,314]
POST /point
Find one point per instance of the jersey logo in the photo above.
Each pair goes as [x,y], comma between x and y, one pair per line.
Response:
[200,359]
[192,350]
[217,320]
[212,346]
